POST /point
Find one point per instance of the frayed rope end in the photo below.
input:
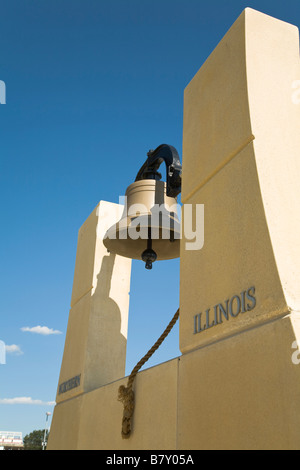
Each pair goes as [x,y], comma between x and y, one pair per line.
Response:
[126,396]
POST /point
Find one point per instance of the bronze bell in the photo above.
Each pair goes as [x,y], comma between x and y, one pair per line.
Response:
[149,228]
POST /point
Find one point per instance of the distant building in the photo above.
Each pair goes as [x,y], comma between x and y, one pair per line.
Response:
[11,440]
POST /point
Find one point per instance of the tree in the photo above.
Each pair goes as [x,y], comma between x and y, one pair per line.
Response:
[34,440]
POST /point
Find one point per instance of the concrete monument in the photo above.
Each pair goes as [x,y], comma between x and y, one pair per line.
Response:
[235,385]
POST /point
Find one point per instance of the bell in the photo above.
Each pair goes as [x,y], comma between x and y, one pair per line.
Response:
[149,228]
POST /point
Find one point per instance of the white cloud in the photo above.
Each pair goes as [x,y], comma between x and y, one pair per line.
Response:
[24,401]
[13,349]
[41,330]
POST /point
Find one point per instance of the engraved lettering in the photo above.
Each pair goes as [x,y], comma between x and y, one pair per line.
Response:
[69,384]
[251,297]
[230,308]
[223,311]
[238,309]
[208,325]
[243,301]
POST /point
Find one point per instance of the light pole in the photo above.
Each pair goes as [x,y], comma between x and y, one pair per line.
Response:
[44,441]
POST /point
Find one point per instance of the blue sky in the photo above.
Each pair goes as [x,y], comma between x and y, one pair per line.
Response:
[91,87]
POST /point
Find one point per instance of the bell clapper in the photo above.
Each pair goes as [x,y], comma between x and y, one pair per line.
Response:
[149,255]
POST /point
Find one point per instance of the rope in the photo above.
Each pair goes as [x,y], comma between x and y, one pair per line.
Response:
[126,394]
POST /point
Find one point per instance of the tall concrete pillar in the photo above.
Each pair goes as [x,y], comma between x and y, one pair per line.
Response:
[241,159]
[95,345]
[240,294]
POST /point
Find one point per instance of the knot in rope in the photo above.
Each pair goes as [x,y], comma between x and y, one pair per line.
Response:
[126,396]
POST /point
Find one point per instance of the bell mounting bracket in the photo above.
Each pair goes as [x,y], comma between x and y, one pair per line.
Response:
[169,155]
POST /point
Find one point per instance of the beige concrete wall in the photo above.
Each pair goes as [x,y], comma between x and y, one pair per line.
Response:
[242,392]
[97,419]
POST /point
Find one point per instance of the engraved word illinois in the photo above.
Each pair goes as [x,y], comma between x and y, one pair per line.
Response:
[231,308]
